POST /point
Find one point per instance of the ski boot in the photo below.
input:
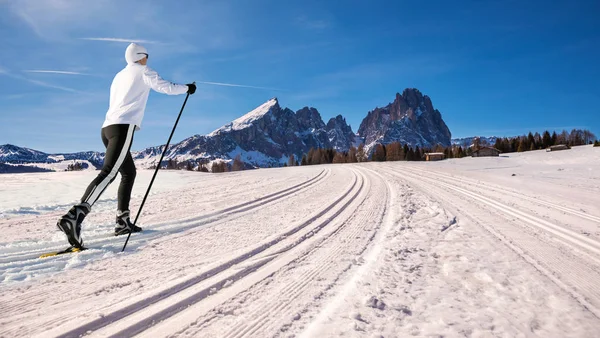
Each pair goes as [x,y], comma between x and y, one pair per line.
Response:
[70,224]
[124,225]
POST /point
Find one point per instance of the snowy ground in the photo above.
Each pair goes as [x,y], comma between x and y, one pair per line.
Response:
[488,247]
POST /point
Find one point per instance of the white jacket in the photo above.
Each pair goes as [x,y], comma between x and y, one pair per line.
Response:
[130,89]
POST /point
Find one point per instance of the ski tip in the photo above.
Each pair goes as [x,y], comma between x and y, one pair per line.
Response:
[56,253]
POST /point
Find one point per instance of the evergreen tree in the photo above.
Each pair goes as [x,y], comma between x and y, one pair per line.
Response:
[291,160]
[553,138]
[238,164]
[546,140]
[529,142]
[351,158]
[189,166]
[361,156]
[418,155]
[304,160]
[339,158]
[172,164]
[379,153]
[521,147]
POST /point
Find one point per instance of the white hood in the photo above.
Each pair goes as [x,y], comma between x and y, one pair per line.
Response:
[134,52]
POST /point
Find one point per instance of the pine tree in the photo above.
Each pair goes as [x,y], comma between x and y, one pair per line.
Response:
[238,164]
[291,160]
[339,158]
[418,156]
[553,138]
[351,158]
[189,166]
[360,153]
[304,160]
[546,139]
[379,153]
[521,147]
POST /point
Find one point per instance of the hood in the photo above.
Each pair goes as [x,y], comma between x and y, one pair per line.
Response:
[134,52]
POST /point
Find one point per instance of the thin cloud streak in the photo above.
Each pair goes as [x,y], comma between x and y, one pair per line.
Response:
[119,40]
[49,85]
[40,83]
[54,72]
[237,85]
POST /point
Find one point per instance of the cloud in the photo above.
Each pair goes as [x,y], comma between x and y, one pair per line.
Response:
[237,85]
[40,83]
[54,72]
[120,40]
[50,85]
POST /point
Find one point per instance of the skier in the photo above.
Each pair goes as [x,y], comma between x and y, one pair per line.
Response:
[128,96]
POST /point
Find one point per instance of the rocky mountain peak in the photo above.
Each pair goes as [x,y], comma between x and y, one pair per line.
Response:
[409,119]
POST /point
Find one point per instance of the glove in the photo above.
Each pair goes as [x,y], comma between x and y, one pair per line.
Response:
[191,88]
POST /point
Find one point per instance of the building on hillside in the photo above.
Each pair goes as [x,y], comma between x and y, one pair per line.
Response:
[486,152]
[558,147]
[434,156]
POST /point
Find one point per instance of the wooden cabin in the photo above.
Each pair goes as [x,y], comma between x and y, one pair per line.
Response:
[558,147]
[434,156]
[486,152]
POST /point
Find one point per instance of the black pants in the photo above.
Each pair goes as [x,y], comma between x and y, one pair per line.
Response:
[117,139]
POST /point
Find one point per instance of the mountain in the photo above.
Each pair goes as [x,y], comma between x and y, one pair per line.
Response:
[468,141]
[410,119]
[23,159]
[266,136]
[269,134]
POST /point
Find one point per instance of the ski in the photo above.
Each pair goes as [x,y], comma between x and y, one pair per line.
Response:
[62,252]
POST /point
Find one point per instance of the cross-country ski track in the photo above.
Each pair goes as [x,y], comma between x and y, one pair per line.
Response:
[388,249]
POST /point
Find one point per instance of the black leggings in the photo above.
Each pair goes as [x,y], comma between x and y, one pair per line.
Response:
[117,139]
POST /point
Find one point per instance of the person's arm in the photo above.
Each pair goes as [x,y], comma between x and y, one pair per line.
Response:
[154,81]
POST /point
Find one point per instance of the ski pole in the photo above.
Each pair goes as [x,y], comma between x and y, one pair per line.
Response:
[156,170]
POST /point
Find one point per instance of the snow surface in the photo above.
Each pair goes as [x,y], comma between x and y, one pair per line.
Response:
[246,120]
[478,247]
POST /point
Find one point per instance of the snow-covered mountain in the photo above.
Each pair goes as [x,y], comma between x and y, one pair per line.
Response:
[410,119]
[18,159]
[468,141]
[265,136]
[269,134]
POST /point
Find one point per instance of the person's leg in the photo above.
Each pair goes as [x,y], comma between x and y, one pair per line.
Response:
[128,174]
[123,223]
[117,139]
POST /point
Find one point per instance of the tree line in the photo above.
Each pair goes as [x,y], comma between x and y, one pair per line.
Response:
[576,137]
[383,152]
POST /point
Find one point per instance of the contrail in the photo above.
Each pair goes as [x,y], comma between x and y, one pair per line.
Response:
[237,85]
[54,72]
[118,40]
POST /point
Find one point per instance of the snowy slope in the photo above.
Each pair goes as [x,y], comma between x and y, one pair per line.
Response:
[454,248]
[246,120]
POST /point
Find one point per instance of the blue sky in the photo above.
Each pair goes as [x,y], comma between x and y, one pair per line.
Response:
[491,67]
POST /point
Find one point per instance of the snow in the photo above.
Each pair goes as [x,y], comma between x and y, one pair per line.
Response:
[246,120]
[506,246]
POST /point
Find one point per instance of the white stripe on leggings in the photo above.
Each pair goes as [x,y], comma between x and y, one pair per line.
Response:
[106,181]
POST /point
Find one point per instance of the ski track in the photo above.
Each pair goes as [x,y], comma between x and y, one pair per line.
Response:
[299,291]
[373,233]
[570,270]
[186,294]
[15,260]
